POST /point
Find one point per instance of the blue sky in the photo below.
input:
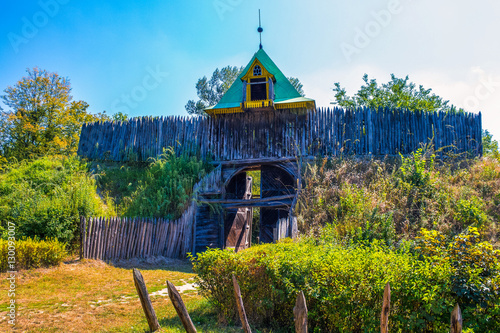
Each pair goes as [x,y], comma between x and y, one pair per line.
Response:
[144,57]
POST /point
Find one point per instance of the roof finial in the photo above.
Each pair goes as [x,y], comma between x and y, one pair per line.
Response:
[259,29]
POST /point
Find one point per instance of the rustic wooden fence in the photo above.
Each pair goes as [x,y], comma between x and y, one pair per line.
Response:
[282,133]
[300,312]
[124,238]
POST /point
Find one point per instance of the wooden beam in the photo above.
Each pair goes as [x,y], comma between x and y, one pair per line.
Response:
[180,308]
[456,320]
[262,160]
[300,314]
[281,200]
[270,204]
[82,235]
[241,308]
[140,286]
[386,306]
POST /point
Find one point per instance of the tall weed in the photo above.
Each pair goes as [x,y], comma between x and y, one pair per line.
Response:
[161,188]
[392,200]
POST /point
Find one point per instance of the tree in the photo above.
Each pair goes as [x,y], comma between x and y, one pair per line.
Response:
[42,118]
[211,91]
[397,93]
[490,146]
[297,85]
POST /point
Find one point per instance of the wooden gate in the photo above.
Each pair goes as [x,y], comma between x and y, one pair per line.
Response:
[238,222]
[275,182]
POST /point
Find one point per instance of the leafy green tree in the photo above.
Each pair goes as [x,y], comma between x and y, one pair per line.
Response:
[397,93]
[490,146]
[119,116]
[297,85]
[211,91]
[42,117]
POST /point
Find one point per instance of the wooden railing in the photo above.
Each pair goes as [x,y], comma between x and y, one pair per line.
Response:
[258,104]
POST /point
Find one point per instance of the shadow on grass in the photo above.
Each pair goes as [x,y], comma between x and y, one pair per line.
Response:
[166,264]
[204,319]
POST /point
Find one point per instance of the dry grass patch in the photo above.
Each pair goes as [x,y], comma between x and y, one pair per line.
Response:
[92,296]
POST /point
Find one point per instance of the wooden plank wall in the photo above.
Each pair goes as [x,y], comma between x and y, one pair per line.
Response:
[124,238]
[282,133]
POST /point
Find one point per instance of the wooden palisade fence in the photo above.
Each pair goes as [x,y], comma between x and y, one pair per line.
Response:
[283,134]
[124,238]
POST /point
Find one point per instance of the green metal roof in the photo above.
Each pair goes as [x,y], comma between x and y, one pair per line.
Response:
[295,100]
[283,89]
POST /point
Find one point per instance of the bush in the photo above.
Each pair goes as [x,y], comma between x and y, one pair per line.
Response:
[33,253]
[475,274]
[470,212]
[162,188]
[45,198]
[343,286]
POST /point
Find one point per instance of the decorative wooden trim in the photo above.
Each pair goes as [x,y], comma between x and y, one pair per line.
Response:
[296,105]
[258,104]
[224,111]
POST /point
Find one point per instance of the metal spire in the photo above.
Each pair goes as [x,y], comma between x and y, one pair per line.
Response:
[259,29]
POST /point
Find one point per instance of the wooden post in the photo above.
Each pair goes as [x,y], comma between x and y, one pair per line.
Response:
[82,235]
[456,320]
[140,286]
[241,308]
[386,306]
[300,314]
[180,308]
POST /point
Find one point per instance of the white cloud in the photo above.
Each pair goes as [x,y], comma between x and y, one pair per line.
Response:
[474,89]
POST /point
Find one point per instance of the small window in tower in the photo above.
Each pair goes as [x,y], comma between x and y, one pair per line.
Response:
[257,70]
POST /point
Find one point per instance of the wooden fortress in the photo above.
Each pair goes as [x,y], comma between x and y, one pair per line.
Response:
[263,123]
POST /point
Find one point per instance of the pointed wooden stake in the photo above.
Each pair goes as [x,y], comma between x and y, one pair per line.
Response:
[179,306]
[241,308]
[300,314]
[456,320]
[386,306]
[140,286]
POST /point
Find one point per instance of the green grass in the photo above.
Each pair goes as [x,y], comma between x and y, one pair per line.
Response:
[64,299]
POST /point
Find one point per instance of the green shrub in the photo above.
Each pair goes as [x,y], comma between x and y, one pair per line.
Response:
[343,286]
[415,169]
[45,198]
[32,253]
[470,212]
[475,273]
[162,188]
